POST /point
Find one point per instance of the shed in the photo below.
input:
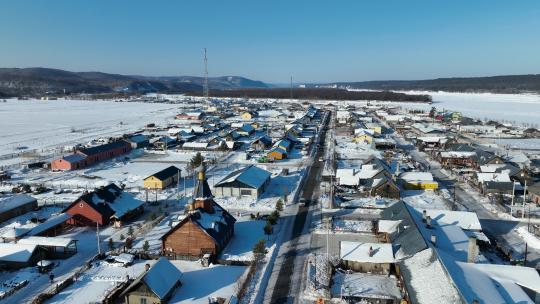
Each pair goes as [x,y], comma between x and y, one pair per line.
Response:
[14,256]
[16,205]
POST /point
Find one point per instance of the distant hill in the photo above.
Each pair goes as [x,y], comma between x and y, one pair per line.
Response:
[494,84]
[38,81]
[317,93]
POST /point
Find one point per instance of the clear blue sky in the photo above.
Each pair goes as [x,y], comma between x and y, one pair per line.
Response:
[314,41]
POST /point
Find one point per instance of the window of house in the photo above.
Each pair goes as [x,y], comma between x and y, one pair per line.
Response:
[245,192]
[143,301]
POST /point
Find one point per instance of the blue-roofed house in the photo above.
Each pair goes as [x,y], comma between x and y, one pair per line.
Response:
[138,141]
[250,181]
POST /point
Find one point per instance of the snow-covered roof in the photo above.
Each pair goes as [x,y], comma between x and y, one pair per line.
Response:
[251,176]
[198,145]
[47,241]
[427,281]
[388,226]
[493,177]
[416,176]
[490,283]
[124,204]
[360,252]
[465,220]
[49,223]
[162,277]
[457,154]
[369,171]
[433,139]
[10,252]
[15,201]
[348,176]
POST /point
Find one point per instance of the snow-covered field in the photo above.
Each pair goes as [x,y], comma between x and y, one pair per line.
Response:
[43,124]
[519,108]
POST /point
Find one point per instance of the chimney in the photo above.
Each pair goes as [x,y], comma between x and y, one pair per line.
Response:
[370,252]
[146,267]
[472,250]
[434,240]
[428,222]
[424,215]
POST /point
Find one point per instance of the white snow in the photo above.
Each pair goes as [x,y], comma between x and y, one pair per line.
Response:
[246,234]
[529,238]
[360,252]
[428,279]
[364,285]
[199,283]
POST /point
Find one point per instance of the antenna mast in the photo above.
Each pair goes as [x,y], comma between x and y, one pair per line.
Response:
[291,88]
[205,86]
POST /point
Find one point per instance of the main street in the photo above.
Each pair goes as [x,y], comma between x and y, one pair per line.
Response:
[285,283]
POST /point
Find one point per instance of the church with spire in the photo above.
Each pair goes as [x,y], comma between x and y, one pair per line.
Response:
[206,229]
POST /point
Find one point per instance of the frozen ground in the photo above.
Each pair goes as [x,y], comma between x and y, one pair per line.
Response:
[95,283]
[519,108]
[40,124]
[246,234]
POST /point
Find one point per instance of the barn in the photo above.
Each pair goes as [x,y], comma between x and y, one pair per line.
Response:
[250,181]
[103,205]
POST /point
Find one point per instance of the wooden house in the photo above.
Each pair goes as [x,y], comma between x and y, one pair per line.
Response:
[206,229]
[262,143]
[367,257]
[162,179]
[385,187]
[156,285]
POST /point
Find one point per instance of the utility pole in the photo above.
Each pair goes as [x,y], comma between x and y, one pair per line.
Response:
[98,241]
[205,86]
[178,186]
[291,88]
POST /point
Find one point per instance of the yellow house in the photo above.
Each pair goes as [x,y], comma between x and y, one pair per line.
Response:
[421,185]
[277,154]
[418,181]
[162,179]
[248,115]
[363,138]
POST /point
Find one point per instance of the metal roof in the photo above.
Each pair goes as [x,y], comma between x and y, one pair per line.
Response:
[251,176]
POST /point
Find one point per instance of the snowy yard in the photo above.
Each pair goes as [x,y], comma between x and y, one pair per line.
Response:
[364,285]
[246,234]
[95,283]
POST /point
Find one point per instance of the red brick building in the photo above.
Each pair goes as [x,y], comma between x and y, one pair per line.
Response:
[83,158]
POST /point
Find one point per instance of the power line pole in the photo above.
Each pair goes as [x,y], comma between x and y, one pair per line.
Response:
[98,241]
[291,87]
[205,86]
